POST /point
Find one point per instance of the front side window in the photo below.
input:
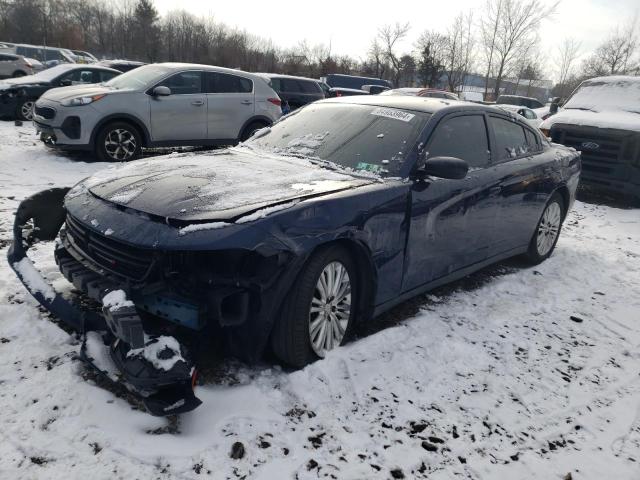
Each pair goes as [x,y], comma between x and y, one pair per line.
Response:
[77,77]
[226,83]
[463,137]
[510,139]
[361,137]
[106,76]
[184,83]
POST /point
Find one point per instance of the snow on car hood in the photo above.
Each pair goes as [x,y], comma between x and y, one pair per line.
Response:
[604,119]
[64,93]
[215,186]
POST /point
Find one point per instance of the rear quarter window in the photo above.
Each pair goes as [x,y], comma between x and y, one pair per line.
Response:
[310,87]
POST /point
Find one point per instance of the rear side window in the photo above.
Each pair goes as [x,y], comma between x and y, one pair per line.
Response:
[309,87]
[225,83]
[510,139]
[8,58]
[463,137]
[290,85]
[184,83]
[533,142]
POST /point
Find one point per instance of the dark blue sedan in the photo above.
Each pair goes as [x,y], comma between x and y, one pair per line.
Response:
[333,215]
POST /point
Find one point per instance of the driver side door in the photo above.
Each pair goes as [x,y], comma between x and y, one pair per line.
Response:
[182,115]
[452,221]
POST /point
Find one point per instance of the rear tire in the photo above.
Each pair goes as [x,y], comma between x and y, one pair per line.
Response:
[547,232]
[118,142]
[24,109]
[319,311]
[251,129]
[18,74]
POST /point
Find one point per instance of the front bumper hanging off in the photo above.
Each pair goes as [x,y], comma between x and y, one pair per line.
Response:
[114,340]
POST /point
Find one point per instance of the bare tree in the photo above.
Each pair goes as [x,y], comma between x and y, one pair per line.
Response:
[515,23]
[489,24]
[616,54]
[459,51]
[389,36]
[568,52]
[376,56]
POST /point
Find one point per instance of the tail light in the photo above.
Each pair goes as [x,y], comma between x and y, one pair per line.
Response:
[276,101]
[28,63]
[338,94]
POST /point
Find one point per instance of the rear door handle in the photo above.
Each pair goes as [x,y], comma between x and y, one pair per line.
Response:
[198,103]
[246,102]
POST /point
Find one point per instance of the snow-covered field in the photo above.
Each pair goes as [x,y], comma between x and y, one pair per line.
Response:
[515,373]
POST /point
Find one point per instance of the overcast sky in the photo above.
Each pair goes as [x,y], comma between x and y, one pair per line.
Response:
[350,26]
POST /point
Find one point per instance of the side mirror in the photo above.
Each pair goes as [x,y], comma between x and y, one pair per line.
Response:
[445,167]
[555,104]
[161,91]
[65,83]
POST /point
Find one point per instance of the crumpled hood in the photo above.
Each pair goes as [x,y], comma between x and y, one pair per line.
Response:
[28,80]
[617,119]
[221,186]
[64,93]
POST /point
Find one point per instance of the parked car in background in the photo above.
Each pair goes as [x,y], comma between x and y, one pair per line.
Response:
[477,97]
[81,56]
[336,80]
[345,92]
[421,92]
[46,55]
[296,91]
[121,65]
[162,104]
[325,88]
[528,114]
[601,119]
[330,217]
[18,95]
[13,66]
[374,89]
[519,100]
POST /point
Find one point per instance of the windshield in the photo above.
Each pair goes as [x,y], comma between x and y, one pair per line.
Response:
[361,137]
[43,76]
[599,95]
[139,78]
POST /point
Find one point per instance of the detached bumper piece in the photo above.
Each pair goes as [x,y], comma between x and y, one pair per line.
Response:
[158,370]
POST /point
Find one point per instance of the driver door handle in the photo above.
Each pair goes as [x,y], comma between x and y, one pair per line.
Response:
[198,103]
[246,102]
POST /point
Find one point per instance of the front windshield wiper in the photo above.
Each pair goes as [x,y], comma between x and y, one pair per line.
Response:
[581,108]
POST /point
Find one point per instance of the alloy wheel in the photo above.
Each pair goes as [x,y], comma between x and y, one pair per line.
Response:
[549,228]
[120,144]
[330,308]
[26,110]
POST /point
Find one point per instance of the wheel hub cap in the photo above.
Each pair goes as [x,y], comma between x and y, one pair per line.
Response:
[330,308]
[549,228]
[120,144]
[27,110]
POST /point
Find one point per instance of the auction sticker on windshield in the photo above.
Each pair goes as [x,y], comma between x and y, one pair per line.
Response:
[393,113]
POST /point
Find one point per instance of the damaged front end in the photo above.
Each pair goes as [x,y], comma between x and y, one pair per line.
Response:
[116,341]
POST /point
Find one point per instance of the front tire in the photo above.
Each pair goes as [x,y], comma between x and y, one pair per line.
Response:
[118,142]
[318,313]
[250,130]
[547,231]
[24,110]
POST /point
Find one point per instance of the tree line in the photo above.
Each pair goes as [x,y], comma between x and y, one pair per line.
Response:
[499,41]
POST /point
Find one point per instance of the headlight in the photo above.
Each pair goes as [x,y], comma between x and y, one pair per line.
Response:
[79,101]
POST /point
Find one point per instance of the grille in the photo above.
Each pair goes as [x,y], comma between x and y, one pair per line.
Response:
[603,154]
[45,112]
[112,255]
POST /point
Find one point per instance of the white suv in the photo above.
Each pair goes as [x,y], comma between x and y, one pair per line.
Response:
[165,104]
[17,66]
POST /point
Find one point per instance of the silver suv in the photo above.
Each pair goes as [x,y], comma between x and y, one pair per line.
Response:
[165,104]
[17,66]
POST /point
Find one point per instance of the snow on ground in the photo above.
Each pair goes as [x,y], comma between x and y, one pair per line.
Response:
[514,373]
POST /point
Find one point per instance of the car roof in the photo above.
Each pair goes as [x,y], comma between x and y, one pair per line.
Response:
[278,75]
[418,104]
[211,68]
